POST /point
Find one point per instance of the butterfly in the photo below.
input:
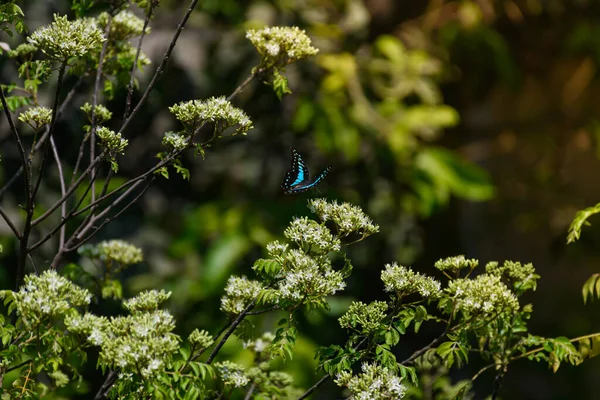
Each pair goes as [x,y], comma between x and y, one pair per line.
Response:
[297,178]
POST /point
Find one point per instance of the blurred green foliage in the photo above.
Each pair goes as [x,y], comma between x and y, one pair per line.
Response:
[382,104]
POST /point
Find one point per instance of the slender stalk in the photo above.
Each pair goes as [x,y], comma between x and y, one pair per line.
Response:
[63,189]
[42,140]
[135,61]
[68,193]
[248,395]
[17,137]
[326,377]
[10,224]
[314,387]
[81,241]
[31,192]
[61,73]
[161,67]
[424,349]
[229,331]
[110,380]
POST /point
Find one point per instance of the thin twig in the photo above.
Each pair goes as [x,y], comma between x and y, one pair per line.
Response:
[110,380]
[17,138]
[63,189]
[424,349]
[263,311]
[231,329]
[135,61]
[61,73]
[250,391]
[32,191]
[326,377]
[314,387]
[68,193]
[108,220]
[63,220]
[161,67]
[10,224]
[95,101]
[42,139]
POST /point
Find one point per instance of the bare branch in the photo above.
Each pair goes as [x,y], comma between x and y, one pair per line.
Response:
[107,220]
[314,387]
[63,189]
[110,380]
[135,61]
[42,140]
[231,329]
[92,136]
[61,73]
[10,224]
[68,192]
[162,65]
[17,138]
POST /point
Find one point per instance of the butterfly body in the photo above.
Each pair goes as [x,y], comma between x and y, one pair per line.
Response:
[297,177]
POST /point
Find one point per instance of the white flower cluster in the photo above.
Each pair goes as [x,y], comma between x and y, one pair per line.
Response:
[101,113]
[119,251]
[513,270]
[148,300]
[232,374]
[48,295]
[404,281]
[305,277]
[261,344]
[312,236]
[485,294]
[173,141]
[36,117]
[347,217]
[215,110]
[367,317]
[456,263]
[113,142]
[276,249]
[286,44]
[64,39]
[141,342]
[239,292]
[123,26]
[374,383]
[201,338]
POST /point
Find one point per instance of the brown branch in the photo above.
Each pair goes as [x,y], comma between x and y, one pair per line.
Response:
[108,220]
[62,222]
[135,61]
[61,73]
[42,140]
[424,349]
[161,67]
[31,192]
[231,329]
[314,387]
[110,380]
[17,137]
[63,189]
[68,193]
[92,136]
[10,224]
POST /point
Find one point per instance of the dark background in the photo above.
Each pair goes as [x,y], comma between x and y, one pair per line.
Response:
[523,79]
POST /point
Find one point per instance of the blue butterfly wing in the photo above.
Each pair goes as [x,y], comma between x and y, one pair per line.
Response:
[296,174]
[303,186]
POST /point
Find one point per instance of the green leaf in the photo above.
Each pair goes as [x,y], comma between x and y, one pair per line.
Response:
[591,288]
[579,221]
[448,172]
[280,84]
